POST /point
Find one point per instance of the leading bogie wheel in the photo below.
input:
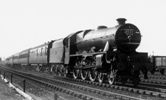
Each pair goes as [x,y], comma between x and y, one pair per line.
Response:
[136,78]
[111,77]
[136,81]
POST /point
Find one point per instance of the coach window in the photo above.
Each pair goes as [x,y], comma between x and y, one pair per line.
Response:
[41,51]
[45,50]
[37,52]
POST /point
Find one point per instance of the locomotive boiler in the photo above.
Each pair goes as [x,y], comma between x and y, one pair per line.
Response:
[124,37]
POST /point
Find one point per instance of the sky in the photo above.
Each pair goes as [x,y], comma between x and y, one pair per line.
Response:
[28,23]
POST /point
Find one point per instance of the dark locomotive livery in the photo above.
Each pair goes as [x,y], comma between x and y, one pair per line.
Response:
[105,54]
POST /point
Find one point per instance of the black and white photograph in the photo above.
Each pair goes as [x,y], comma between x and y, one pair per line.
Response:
[82,50]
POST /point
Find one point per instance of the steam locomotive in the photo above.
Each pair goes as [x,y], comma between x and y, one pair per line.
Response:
[104,54]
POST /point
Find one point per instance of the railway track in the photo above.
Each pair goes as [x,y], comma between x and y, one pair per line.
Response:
[157,79]
[93,90]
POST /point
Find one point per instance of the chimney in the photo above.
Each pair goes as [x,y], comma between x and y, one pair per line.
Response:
[121,21]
